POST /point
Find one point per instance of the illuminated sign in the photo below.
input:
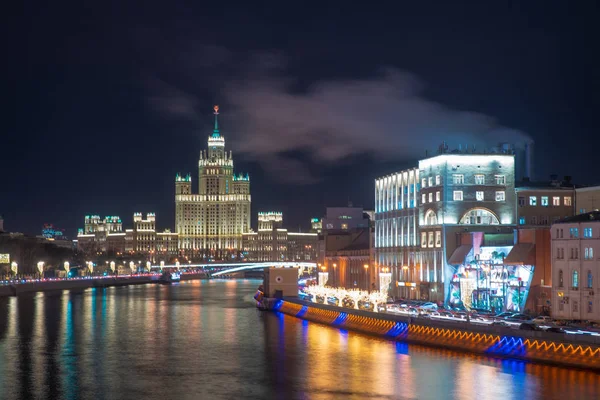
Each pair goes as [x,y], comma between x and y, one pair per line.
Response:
[4,258]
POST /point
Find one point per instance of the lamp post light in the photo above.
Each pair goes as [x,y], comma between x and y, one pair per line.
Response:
[366,267]
[335,275]
[40,267]
[14,267]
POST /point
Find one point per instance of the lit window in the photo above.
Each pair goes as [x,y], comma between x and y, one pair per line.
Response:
[423,198]
[544,200]
[500,195]
[568,200]
[437,196]
[438,239]
[479,216]
[479,196]
[430,197]
[458,195]
[480,179]
[344,226]
[430,241]
[575,279]
[424,239]
[430,181]
[587,232]
[556,201]
[521,220]
[438,180]
[423,182]
[574,233]
[430,218]
[458,179]
[532,200]
[590,280]
[500,180]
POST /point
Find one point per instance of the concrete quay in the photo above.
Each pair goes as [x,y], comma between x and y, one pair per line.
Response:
[16,289]
[578,351]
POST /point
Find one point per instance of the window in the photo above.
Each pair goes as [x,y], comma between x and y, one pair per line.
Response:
[458,195]
[423,198]
[424,239]
[532,200]
[560,278]
[430,181]
[500,195]
[574,233]
[582,211]
[438,180]
[458,179]
[500,180]
[568,200]
[586,253]
[437,196]
[590,279]
[521,220]
[430,197]
[479,196]
[587,232]
[479,216]
[430,241]
[480,179]
[534,220]
[430,218]
[545,220]
[544,200]
[575,279]
[575,306]
[590,307]
[438,239]
[561,305]
[423,183]
[574,253]
[521,201]
[556,201]
[560,252]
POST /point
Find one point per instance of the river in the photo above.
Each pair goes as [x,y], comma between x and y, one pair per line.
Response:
[205,340]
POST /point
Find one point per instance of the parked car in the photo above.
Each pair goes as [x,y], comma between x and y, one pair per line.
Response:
[555,329]
[428,306]
[503,315]
[518,317]
[541,320]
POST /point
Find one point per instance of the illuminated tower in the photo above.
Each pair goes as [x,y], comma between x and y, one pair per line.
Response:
[211,223]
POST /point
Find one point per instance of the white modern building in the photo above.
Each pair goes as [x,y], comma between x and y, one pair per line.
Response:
[420,213]
[210,223]
[576,267]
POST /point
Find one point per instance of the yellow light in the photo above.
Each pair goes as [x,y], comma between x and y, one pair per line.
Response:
[334,265]
[366,266]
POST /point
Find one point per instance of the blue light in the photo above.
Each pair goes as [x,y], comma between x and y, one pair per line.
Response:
[340,319]
[302,311]
[400,328]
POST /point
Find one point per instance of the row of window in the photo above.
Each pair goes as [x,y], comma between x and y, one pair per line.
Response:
[574,233]
[588,253]
[459,179]
[457,195]
[544,201]
[427,239]
[575,279]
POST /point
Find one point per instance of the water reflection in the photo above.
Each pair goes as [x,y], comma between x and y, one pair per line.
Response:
[205,339]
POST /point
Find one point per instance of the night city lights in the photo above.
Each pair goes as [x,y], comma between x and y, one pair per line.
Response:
[396,201]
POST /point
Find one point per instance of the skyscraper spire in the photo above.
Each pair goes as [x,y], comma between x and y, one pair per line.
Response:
[216,108]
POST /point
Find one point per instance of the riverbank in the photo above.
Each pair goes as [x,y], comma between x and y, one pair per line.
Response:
[579,351]
[86,283]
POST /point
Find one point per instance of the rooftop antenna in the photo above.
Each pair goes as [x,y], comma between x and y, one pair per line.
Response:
[216,108]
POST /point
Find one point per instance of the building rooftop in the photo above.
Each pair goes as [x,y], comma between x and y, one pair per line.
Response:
[553,183]
[593,216]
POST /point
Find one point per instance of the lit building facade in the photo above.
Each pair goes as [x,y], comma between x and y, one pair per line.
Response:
[576,267]
[542,204]
[107,235]
[274,243]
[421,211]
[211,223]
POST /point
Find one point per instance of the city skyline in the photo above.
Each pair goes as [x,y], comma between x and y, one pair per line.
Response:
[113,128]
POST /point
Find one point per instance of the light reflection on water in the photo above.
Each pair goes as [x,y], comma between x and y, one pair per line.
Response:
[205,339]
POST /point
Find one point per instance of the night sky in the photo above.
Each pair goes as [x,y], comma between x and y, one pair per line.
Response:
[104,102]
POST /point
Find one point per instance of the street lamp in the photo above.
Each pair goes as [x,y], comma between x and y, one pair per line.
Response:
[334,275]
[366,267]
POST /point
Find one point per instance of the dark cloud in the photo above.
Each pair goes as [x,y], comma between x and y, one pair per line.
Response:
[386,116]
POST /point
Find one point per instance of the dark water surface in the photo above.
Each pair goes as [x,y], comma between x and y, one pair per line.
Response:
[205,340]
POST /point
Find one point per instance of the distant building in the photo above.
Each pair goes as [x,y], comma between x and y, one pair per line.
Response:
[316,225]
[587,199]
[1,224]
[576,267]
[344,218]
[540,204]
[274,243]
[107,235]
[210,224]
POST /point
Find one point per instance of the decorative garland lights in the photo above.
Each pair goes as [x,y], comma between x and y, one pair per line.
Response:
[349,298]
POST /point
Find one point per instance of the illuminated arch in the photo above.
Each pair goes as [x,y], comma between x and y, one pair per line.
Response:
[479,216]
[430,217]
